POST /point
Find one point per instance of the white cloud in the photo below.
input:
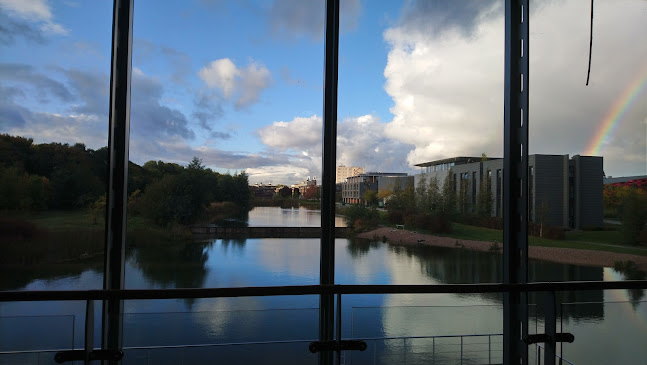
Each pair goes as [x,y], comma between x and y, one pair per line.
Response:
[220,74]
[31,9]
[254,78]
[447,85]
[242,84]
[361,141]
[447,102]
[300,134]
[37,11]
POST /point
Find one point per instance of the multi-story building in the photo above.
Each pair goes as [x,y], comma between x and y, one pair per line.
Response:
[344,172]
[354,187]
[561,191]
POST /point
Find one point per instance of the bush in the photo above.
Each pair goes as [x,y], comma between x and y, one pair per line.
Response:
[480,221]
[395,217]
[549,232]
[633,215]
[440,223]
[362,218]
[436,223]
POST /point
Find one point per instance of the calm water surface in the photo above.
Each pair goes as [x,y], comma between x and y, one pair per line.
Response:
[612,332]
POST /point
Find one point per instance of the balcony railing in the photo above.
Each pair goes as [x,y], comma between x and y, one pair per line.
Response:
[300,346]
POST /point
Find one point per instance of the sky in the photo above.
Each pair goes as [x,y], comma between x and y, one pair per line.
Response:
[240,83]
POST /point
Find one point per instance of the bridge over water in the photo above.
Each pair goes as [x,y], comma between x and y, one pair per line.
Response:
[264,232]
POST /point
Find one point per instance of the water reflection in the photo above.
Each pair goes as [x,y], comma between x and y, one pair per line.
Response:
[272,261]
[179,265]
[461,266]
[280,217]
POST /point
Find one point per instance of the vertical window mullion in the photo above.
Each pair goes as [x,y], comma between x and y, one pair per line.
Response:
[118,143]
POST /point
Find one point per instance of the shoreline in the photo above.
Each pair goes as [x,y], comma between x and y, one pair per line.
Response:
[554,254]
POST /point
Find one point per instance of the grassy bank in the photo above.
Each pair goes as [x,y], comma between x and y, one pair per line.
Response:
[59,236]
[583,240]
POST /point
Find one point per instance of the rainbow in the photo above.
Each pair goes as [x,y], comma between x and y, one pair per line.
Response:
[613,117]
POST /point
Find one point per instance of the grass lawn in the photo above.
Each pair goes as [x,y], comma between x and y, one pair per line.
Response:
[588,238]
[612,237]
[80,220]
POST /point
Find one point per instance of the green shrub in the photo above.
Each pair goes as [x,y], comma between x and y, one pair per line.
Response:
[633,215]
[395,217]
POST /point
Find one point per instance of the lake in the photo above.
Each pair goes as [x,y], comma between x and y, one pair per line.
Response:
[609,327]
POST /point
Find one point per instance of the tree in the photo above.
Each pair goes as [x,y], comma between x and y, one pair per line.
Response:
[422,196]
[434,197]
[370,197]
[195,164]
[633,214]
[311,192]
[542,213]
[463,195]
[484,201]
[449,202]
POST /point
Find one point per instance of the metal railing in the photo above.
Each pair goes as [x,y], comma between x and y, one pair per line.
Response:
[137,294]
[541,349]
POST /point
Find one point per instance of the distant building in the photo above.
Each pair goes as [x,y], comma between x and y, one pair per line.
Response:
[263,190]
[299,189]
[354,188]
[344,172]
[639,181]
[566,192]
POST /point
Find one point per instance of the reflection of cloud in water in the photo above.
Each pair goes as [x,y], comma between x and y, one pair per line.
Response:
[432,314]
[289,257]
[247,319]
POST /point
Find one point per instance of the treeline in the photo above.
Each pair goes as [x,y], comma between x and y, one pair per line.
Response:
[56,176]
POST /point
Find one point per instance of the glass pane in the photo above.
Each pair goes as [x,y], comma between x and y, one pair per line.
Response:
[54,82]
[424,334]
[587,142]
[54,77]
[420,118]
[602,322]
[225,155]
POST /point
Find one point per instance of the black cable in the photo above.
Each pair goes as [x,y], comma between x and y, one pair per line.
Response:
[588,74]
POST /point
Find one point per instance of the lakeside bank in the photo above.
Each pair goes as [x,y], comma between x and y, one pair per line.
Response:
[553,254]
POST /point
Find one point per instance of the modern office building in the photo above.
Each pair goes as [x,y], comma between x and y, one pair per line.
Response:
[561,191]
[355,186]
[344,172]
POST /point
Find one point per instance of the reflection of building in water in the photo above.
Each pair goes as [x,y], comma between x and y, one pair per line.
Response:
[543,271]
[460,266]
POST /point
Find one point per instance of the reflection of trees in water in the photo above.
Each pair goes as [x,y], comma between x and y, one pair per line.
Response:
[630,271]
[235,245]
[180,265]
[461,266]
[360,247]
[240,220]
[18,277]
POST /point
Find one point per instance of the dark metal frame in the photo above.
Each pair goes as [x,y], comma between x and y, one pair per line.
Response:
[515,204]
[329,159]
[118,147]
[515,180]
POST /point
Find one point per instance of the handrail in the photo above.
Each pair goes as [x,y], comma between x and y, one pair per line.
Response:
[133,294]
[274,342]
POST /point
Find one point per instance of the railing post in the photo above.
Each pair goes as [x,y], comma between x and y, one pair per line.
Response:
[433,349]
[329,154]
[461,350]
[550,328]
[489,349]
[89,330]
[339,328]
[404,350]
